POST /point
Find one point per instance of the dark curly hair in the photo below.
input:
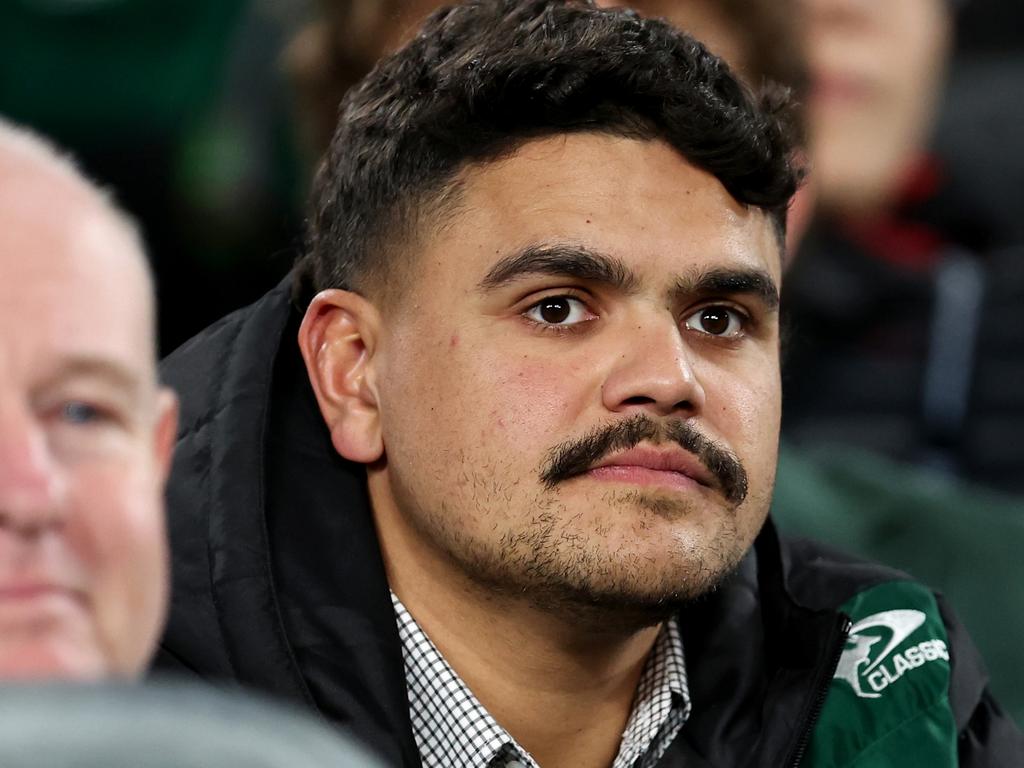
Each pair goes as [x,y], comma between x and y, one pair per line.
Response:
[482,78]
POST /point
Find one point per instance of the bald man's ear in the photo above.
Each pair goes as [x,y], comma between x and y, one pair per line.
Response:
[338,339]
[166,432]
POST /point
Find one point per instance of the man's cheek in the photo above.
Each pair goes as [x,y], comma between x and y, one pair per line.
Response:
[116,512]
[746,418]
[752,397]
[537,397]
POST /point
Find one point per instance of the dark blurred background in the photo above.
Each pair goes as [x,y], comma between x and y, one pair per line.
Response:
[182,109]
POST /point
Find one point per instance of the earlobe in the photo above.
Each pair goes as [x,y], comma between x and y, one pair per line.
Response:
[338,341]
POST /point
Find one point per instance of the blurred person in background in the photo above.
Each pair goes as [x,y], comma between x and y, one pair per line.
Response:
[903,304]
[85,430]
[86,434]
[305,486]
[904,296]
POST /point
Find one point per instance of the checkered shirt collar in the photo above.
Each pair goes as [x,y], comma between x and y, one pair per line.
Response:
[452,728]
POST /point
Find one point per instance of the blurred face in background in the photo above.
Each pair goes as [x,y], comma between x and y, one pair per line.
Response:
[877,69]
[85,435]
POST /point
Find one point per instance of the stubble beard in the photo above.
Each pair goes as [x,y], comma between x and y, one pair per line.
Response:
[554,562]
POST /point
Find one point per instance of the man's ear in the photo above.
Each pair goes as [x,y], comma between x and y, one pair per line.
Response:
[166,432]
[338,339]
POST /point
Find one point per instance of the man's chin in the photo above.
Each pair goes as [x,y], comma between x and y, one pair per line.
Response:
[50,659]
[43,666]
[627,607]
[619,613]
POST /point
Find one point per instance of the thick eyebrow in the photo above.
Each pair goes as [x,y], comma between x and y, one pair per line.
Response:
[562,261]
[716,282]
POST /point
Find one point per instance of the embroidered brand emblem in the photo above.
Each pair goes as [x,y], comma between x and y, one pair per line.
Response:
[873,659]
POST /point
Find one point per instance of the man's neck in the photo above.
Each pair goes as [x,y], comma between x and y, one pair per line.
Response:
[562,690]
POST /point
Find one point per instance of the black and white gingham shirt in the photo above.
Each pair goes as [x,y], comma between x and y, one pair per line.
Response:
[453,730]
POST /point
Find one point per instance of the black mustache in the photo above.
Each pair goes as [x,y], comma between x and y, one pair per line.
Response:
[574,457]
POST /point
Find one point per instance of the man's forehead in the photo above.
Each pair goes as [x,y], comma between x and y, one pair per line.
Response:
[636,200]
[60,244]
[74,282]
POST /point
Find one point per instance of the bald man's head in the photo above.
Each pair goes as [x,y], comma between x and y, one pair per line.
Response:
[43,186]
[85,430]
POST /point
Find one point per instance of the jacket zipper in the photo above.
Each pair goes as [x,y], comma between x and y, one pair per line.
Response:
[819,699]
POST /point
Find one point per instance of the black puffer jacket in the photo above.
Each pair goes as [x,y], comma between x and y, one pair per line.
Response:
[279,584]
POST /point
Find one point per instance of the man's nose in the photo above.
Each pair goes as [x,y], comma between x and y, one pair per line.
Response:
[654,372]
[30,486]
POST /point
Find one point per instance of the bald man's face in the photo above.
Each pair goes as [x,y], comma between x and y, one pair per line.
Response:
[85,437]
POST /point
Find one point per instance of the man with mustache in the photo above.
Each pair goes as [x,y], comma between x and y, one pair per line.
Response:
[711,465]
[504,502]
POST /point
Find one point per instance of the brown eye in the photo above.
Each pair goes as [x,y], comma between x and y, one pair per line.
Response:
[714,320]
[559,310]
[555,310]
[717,320]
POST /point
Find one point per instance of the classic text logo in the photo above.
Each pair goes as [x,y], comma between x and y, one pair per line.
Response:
[870,667]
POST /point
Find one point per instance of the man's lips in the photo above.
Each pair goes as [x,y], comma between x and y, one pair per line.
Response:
[20,598]
[30,590]
[674,468]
